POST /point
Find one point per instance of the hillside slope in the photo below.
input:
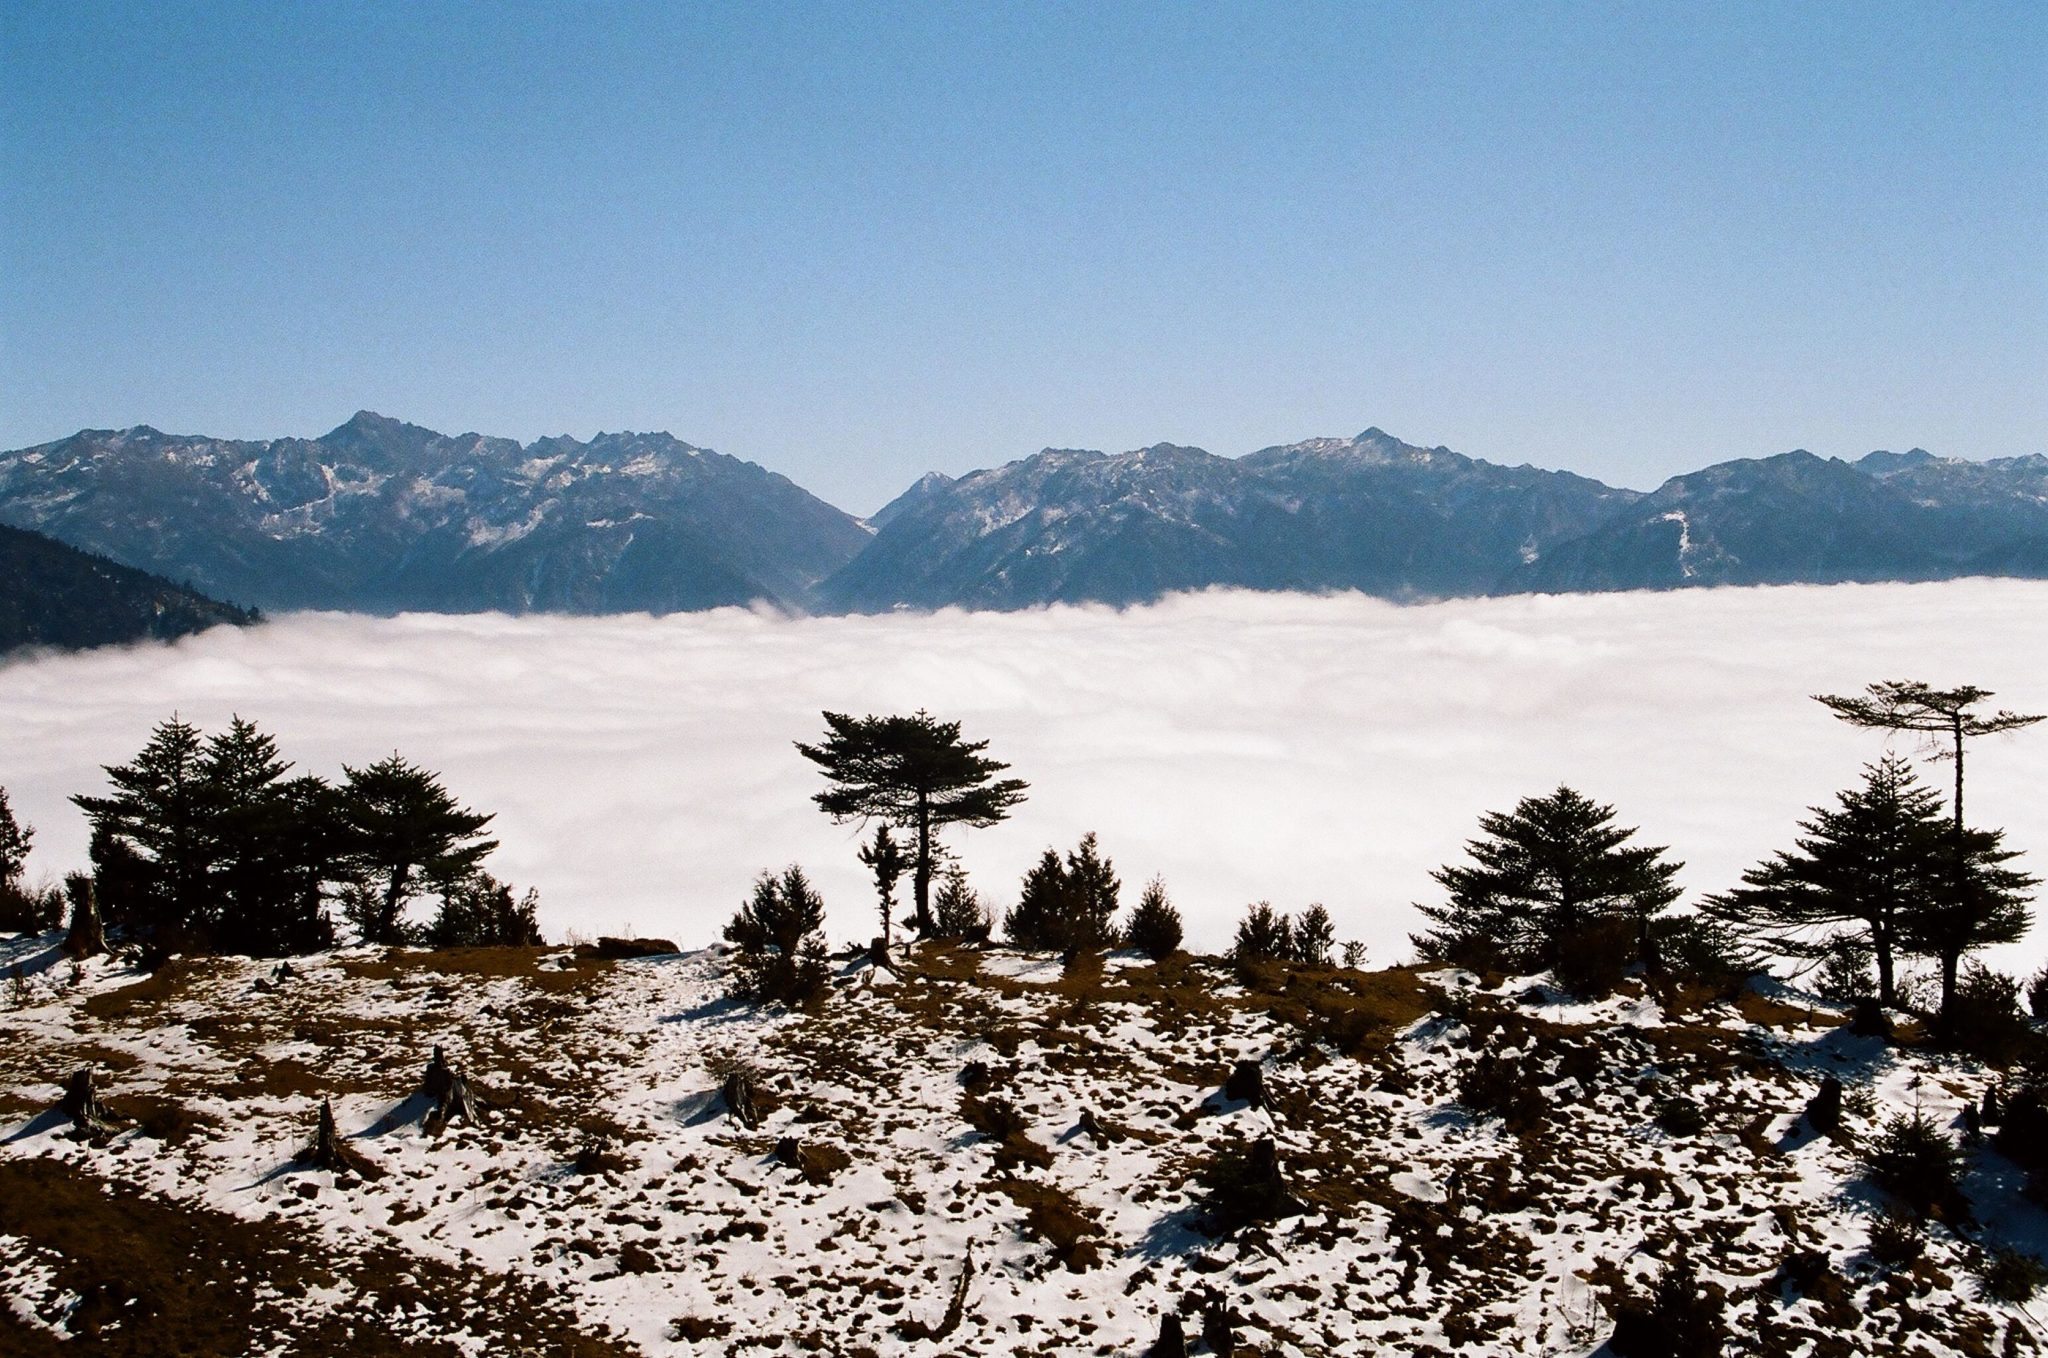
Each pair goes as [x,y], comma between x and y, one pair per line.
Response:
[54,595]
[1477,1171]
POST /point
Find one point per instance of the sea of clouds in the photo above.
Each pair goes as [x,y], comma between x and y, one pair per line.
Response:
[1245,746]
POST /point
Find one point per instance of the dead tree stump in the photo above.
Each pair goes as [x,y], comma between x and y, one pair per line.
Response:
[1173,1339]
[451,1092]
[1217,1331]
[1267,1184]
[1868,1019]
[738,1093]
[1824,1114]
[88,937]
[1247,1084]
[956,1309]
[1101,1133]
[328,1151]
[81,1103]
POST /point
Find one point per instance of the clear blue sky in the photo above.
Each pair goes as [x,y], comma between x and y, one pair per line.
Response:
[855,243]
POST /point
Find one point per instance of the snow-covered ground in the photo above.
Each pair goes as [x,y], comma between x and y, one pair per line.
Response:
[611,1203]
[1246,746]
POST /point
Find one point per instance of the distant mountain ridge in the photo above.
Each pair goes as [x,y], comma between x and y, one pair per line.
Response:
[1375,514]
[380,515]
[57,596]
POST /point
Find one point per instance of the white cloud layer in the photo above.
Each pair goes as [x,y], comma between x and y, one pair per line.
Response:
[1246,746]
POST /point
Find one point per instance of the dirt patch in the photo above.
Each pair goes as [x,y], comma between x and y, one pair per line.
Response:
[480,963]
[155,1277]
[1053,1215]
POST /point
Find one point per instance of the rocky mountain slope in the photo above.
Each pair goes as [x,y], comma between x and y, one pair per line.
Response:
[379,515]
[1797,518]
[1370,513]
[1388,518]
[983,1155]
[54,595]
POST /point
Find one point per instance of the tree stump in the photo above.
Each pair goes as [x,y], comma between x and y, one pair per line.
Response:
[1267,1185]
[1868,1019]
[1824,1114]
[1097,1131]
[88,937]
[1172,1341]
[738,1093]
[1993,1111]
[1247,1084]
[328,1151]
[1217,1331]
[451,1092]
[81,1103]
[976,1077]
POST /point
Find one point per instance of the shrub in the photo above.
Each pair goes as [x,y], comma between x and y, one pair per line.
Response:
[1681,1317]
[2010,1275]
[1985,1017]
[779,934]
[957,910]
[30,910]
[1243,1185]
[1846,973]
[1313,937]
[1592,959]
[1681,1116]
[1702,952]
[482,913]
[1896,1239]
[1917,1163]
[1263,935]
[2037,994]
[1067,906]
[1154,927]
[1503,1086]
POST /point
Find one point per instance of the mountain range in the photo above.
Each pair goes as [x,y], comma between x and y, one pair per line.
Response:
[380,515]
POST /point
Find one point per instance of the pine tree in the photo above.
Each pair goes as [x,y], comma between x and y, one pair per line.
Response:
[21,910]
[1263,935]
[957,909]
[1988,906]
[267,847]
[885,859]
[1092,888]
[482,913]
[1154,928]
[1314,936]
[14,841]
[1069,905]
[151,831]
[1037,920]
[779,936]
[1876,859]
[916,774]
[1543,877]
[403,835]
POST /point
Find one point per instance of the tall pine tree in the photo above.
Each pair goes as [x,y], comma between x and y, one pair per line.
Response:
[1865,868]
[1541,878]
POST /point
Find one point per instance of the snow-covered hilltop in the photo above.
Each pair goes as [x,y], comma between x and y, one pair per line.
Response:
[1460,1169]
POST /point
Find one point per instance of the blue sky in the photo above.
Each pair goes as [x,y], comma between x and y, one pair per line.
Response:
[855,243]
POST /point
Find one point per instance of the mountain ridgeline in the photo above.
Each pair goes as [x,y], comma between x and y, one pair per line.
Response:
[381,516]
